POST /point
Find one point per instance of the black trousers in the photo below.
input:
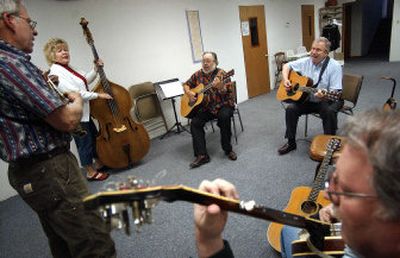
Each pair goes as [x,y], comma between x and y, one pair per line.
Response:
[326,109]
[224,123]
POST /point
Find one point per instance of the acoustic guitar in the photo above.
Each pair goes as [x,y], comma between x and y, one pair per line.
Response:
[305,201]
[301,85]
[114,205]
[188,106]
[391,103]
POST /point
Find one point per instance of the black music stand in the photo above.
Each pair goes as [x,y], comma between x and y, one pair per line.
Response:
[170,89]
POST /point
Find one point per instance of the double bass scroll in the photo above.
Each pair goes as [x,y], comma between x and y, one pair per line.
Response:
[121,141]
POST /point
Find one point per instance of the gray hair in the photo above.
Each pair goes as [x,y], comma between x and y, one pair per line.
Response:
[325,41]
[214,55]
[10,6]
[377,133]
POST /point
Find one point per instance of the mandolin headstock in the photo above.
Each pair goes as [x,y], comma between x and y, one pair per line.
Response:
[123,201]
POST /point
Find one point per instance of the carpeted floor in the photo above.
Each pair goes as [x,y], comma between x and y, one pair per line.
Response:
[260,174]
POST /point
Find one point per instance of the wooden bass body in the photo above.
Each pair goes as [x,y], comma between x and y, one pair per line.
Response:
[121,141]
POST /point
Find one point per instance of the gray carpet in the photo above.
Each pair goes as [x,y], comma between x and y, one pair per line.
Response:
[259,174]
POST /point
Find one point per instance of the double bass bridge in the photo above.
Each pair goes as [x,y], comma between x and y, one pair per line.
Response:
[120,129]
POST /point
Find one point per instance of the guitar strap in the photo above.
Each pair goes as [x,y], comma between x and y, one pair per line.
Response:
[324,65]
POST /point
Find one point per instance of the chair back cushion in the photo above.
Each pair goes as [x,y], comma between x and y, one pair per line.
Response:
[351,87]
[145,101]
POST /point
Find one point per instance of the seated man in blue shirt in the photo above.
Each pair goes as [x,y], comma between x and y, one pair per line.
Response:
[327,75]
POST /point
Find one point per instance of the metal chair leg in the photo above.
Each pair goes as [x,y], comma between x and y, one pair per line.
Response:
[234,127]
[306,126]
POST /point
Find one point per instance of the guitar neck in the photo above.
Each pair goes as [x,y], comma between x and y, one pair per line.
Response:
[331,95]
[224,80]
[332,146]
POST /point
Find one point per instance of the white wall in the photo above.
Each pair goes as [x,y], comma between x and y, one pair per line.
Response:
[147,40]
[395,37]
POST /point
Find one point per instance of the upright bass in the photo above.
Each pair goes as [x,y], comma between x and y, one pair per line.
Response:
[121,141]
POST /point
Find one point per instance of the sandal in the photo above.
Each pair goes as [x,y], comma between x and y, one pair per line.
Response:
[98,176]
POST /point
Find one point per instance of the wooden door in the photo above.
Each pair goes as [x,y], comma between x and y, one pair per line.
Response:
[307,24]
[254,39]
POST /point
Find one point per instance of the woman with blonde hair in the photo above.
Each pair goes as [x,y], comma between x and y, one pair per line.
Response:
[57,55]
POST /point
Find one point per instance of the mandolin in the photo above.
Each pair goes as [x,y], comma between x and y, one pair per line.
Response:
[113,205]
[188,107]
[301,85]
[305,201]
[121,141]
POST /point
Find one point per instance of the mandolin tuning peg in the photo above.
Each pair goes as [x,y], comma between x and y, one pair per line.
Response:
[116,216]
[136,183]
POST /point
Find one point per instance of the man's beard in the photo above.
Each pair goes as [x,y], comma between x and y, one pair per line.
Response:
[210,70]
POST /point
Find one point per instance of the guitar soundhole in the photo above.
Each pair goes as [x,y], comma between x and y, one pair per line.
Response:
[293,90]
[309,207]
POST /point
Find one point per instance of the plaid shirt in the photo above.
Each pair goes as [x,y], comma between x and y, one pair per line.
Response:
[25,100]
[213,99]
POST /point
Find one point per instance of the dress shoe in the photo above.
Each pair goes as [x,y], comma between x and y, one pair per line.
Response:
[286,148]
[231,155]
[200,160]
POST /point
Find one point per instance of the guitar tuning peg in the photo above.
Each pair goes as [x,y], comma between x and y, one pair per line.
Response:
[136,183]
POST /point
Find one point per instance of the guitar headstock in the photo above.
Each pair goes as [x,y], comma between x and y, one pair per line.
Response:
[230,73]
[84,23]
[334,144]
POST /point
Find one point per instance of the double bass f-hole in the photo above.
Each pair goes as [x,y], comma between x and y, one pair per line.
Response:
[121,141]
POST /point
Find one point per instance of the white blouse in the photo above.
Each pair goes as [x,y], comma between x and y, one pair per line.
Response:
[69,82]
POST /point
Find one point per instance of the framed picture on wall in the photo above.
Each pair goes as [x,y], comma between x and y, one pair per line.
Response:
[196,41]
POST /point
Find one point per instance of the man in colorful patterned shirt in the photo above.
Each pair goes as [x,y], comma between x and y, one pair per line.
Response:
[34,140]
[218,103]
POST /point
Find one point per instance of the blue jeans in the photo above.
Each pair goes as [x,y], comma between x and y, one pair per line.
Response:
[288,235]
[86,144]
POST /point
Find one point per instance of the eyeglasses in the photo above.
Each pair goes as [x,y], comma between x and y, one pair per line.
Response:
[28,20]
[334,196]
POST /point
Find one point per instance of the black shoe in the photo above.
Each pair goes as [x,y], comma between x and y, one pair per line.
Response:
[288,147]
[200,160]
[231,155]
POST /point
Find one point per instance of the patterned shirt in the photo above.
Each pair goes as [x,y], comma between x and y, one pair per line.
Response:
[25,100]
[213,99]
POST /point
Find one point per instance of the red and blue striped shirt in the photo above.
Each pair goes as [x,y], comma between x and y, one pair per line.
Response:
[25,100]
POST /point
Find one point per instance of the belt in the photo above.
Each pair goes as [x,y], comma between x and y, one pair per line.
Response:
[41,156]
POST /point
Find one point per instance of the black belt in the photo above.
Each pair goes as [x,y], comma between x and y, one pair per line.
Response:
[35,158]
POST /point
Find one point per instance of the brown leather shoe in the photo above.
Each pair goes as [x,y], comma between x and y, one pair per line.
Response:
[286,148]
[231,155]
[200,160]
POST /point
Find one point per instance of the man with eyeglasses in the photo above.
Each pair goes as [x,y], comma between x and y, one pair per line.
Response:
[218,103]
[35,126]
[364,190]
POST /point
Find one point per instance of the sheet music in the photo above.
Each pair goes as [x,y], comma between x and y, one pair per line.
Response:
[172,89]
